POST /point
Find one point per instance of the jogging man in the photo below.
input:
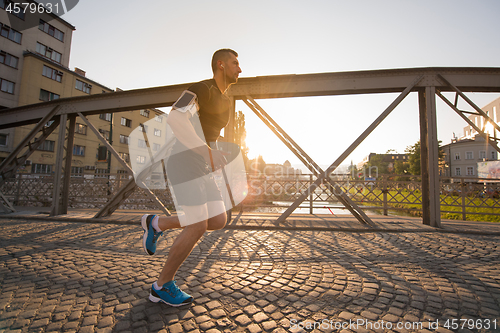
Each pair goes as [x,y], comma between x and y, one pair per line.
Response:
[196,120]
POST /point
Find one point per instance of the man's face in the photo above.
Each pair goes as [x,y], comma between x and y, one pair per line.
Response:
[232,69]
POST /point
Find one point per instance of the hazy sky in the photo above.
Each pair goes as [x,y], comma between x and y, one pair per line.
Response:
[137,44]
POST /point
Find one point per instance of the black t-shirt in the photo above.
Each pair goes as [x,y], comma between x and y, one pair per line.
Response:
[214,108]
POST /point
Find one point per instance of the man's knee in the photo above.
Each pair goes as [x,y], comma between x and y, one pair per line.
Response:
[217,222]
[199,227]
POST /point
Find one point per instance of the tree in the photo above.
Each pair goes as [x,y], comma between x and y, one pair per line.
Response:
[376,166]
[352,171]
[414,157]
[240,134]
[256,166]
[401,168]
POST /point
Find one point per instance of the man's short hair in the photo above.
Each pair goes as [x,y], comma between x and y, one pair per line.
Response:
[222,54]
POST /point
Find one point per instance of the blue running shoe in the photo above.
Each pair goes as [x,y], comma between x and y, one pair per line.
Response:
[150,234]
[170,294]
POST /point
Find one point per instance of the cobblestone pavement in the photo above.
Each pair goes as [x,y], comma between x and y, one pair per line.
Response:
[86,277]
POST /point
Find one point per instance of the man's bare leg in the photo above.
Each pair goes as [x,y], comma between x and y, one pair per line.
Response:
[180,250]
[172,222]
[185,242]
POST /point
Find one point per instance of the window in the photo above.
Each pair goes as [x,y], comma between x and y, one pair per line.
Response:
[47,145]
[141,159]
[157,132]
[8,6]
[85,87]
[51,30]
[101,173]
[78,150]
[3,140]
[470,171]
[6,86]
[81,129]
[469,155]
[457,156]
[52,73]
[143,128]
[102,153]
[104,133]
[493,155]
[159,119]
[124,139]
[156,147]
[9,33]
[144,113]
[126,122]
[457,171]
[122,174]
[76,171]
[142,144]
[8,59]
[47,95]
[482,154]
[48,52]
[125,157]
[105,116]
[41,168]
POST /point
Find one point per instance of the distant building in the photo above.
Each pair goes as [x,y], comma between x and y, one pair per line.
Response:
[462,156]
[282,170]
[390,159]
[493,111]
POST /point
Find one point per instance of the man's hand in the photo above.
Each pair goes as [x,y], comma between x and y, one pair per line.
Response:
[218,159]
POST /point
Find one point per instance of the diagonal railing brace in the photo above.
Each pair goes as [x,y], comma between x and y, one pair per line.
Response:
[308,161]
[349,150]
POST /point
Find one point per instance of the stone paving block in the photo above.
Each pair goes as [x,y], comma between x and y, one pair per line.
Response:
[242,320]
[106,321]
[176,328]
[90,320]
[86,329]
[54,327]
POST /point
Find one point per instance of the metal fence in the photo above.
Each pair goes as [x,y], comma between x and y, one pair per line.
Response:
[461,198]
[36,190]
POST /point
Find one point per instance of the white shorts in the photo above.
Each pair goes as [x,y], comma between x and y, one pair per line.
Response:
[194,214]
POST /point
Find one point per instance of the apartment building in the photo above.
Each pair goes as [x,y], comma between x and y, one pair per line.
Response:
[462,156]
[492,110]
[34,68]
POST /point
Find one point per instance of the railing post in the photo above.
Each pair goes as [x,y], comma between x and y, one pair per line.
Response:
[384,191]
[18,192]
[310,195]
[462,194]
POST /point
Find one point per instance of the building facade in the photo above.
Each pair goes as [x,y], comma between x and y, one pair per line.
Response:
[463,154]
[34,68]
[389,159]
[492,110]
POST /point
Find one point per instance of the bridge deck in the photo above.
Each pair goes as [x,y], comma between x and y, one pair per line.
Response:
[267,221]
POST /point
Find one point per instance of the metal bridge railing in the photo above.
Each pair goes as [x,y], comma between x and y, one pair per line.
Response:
[461,198]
